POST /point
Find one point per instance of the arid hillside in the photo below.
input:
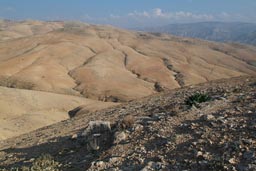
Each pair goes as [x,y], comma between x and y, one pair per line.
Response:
[12,30]
[109,64]
[64,65]
[159,132]
[22,111]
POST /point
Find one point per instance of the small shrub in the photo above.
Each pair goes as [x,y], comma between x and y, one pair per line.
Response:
[253,63]
[197,98]
[127,122]
[158,87]
[14,83]
[43,163]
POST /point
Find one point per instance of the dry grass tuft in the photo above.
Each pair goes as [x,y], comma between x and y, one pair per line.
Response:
[127,122]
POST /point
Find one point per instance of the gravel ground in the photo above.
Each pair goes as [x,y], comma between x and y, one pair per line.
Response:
[160,132]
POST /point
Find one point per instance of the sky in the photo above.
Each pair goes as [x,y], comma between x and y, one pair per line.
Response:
[130,13]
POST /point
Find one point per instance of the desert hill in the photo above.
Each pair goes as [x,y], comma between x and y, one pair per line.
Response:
[94,64]
[12,30]
[109,64]
[161,132]
[26,110]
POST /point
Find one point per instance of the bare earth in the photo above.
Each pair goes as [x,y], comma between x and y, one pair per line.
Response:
[48,69]
[166,134]
[26,110]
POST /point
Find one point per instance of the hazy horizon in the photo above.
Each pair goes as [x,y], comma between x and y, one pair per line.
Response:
[131,14]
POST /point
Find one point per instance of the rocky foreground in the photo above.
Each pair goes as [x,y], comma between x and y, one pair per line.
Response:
[160,132]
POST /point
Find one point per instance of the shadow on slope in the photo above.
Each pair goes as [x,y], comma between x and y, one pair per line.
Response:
[71,154]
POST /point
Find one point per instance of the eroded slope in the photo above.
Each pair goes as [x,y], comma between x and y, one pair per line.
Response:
[109,64]
[23,111]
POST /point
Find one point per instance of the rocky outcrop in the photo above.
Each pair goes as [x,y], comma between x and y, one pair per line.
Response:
[98,135]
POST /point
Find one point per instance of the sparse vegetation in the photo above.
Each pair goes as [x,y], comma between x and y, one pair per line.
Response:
[127,122]
[197,98]
[253,63]
[43,163]
[158,87]
[13,83]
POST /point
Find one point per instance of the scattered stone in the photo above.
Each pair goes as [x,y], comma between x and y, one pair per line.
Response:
[158,116]
[247,141]
[145,120]
[74,137]
[232,161]
[208,117]
[115,160]
[138,127]
[199,154]
[153,166]
[32,159]
[99,165]
[120,137]
[249,155]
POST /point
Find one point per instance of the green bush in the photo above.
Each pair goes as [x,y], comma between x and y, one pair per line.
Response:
[197,98]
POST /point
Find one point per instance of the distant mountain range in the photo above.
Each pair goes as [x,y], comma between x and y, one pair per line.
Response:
[214,31]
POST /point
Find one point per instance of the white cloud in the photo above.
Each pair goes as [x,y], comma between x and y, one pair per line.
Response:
[224,14]
[180,15]
[158,12]
[139,14]
[159,17]
[114,16]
